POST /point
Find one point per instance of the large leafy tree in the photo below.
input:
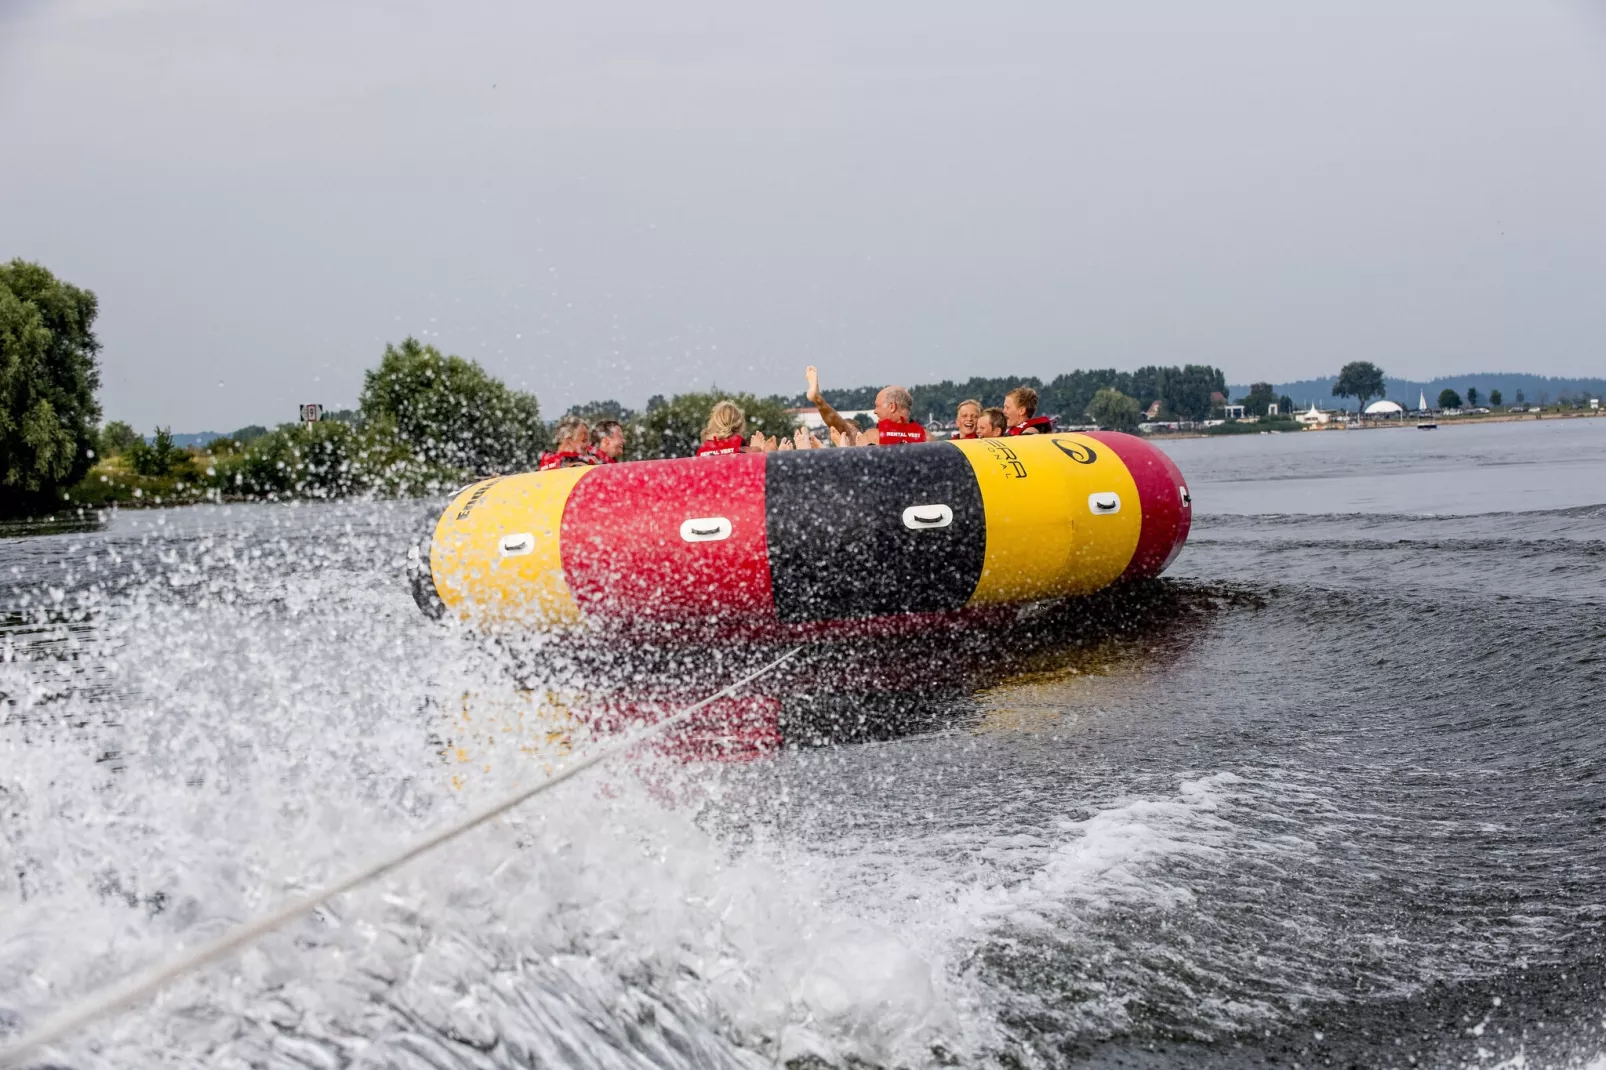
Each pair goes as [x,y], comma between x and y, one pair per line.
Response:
[1361,380]
[117,437]
[449,411]
[1449,399]
[1113,410]
[49,373]
[675,427]
[1259,400]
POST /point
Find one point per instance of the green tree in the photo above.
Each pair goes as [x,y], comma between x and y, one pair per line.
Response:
[1361,380]
[116,437]
[448,411]
[675,428]
[49,373]
[1494,398]
[593,411]
[158,458]
[1449,399]
[1187,391]
[1472,397]
[1113,410]
[1258,400]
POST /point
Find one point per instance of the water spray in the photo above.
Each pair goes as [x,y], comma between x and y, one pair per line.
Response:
[143,985]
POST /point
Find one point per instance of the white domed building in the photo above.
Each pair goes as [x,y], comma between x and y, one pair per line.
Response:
[1386,409]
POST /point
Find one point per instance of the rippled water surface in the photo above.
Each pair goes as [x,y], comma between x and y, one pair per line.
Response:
[1330,795]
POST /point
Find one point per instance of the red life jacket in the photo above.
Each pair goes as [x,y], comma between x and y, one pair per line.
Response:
[564,459]
[1043,424]
[718,447]
[961,434]
[603,458]
[893,433]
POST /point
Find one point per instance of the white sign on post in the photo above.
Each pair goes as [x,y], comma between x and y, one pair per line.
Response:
[311,414]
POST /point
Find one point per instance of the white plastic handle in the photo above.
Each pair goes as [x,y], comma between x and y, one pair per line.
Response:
[516,545]
[922,517]
[705,529]
[1104,503]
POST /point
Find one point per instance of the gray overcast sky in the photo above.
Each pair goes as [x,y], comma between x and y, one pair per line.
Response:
[621,199]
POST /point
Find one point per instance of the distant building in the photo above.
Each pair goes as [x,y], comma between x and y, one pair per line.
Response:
[1385,409]
[1314,418]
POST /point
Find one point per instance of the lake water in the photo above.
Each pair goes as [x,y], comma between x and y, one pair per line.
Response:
[1332,794]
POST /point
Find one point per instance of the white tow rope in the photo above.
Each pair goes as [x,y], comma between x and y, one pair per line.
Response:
[134,989]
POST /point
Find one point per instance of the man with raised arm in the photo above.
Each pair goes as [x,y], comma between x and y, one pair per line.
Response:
[893,425]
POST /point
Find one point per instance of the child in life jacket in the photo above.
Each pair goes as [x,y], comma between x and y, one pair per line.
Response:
[608,442]
[893,425]
[573,438]
[1020,412]
[968,413]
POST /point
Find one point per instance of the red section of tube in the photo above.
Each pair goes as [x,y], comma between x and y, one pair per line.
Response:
[635,546]
[1167,508]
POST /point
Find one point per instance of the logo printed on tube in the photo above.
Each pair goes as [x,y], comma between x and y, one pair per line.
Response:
[1006,457]
[1187,499]
[705,529]
[921,517]
[474,499]
[1104,503]
[516,545]
[1076,451]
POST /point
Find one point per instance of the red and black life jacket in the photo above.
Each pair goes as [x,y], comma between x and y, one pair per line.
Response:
[565,459]
[1043,424]
[718,447]
[894,433]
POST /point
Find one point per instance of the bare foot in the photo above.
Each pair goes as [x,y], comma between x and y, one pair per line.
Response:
[812,374]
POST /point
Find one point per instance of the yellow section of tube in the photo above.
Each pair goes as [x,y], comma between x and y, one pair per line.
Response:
[496,555]
[1051,528]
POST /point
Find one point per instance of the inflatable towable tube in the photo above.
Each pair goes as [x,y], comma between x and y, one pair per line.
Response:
[806,542]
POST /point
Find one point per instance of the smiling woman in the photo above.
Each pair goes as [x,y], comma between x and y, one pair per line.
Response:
[806,542]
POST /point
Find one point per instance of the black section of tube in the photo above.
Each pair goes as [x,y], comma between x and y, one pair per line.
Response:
[838,545]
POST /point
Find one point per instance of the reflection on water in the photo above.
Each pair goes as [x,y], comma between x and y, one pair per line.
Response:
[847,691]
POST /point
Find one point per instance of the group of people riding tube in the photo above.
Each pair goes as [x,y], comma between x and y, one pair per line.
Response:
[578,443]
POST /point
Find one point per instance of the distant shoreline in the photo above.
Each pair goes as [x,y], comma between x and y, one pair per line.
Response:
[1396,425]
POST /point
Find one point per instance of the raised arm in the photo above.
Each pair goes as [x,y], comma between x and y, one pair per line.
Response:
[831,417]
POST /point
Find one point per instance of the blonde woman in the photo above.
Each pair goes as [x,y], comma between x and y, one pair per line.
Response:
[724,430]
